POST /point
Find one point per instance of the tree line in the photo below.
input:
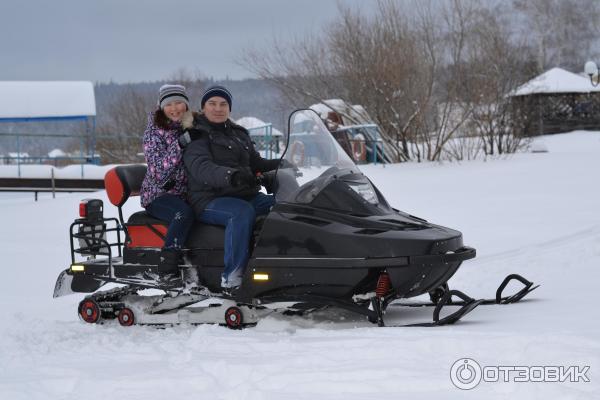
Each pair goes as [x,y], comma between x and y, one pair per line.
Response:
[434,75]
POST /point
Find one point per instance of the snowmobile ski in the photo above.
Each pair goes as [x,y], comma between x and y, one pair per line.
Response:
[499,299]
[467,304]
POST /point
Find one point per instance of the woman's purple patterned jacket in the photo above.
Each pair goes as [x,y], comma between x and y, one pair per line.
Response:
[166,172]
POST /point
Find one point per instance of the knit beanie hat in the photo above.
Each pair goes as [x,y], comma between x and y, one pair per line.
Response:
[216,91]
[169,93]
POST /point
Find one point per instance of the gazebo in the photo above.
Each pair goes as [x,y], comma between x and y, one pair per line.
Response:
[39,101]
[557,101]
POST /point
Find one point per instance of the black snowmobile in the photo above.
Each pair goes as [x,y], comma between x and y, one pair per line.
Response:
[331,240]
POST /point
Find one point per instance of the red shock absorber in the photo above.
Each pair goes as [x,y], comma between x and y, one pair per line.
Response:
[383,285]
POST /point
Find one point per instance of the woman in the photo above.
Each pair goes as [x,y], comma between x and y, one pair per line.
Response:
[222,163]
[163,192]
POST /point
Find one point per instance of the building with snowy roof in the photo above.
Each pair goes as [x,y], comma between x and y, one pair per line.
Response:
[54,100]
[267,140]
[29,110]
[557,101]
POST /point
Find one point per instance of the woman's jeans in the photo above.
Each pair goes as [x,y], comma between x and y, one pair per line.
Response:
[178,214]
[238,217]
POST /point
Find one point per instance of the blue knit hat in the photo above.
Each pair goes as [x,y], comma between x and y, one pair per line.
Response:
[216,91]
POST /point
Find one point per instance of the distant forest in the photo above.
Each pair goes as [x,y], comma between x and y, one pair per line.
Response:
[251,97]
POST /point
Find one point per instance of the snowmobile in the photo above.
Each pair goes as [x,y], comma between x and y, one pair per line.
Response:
[331,240]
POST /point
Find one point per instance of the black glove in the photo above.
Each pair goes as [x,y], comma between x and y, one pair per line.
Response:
[188,136]
[268,181]
[170,184]
[243,178]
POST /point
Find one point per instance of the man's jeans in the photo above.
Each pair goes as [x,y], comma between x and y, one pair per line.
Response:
[238,217]
[178,214]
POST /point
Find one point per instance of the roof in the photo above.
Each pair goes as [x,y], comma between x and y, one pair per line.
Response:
[556,80]
[257,126]
[24,100]
[355,111]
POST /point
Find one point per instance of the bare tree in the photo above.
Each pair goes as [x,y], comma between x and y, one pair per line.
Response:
[349,62]
[428,76]
[497,63]
[563,32]
[445,34]
[120,136]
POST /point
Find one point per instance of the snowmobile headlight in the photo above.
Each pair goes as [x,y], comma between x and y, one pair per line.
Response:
[77,268]
[365,190]
[260,277]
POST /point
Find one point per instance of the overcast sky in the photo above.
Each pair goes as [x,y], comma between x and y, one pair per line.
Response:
[145,40]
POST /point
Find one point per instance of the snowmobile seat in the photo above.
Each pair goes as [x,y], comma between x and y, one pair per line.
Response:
[201,236]
[142,229]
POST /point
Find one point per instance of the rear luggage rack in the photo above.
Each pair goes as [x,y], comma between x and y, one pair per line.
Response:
[91,236]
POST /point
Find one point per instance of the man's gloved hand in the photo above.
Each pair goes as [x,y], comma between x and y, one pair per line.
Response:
[243,178]
[188,136]
[268,181]
[184,139]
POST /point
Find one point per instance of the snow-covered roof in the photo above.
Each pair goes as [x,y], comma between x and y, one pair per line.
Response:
[356,111]
[250,122]
[18,155]
[556,80]
[56,153]
[46,100]
[255,124]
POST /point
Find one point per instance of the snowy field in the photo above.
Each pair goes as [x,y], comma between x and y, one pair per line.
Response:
[535,214]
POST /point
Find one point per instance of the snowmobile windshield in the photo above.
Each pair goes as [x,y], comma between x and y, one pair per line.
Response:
[312,154]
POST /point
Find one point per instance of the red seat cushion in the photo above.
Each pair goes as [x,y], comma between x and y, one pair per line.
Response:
[139,232]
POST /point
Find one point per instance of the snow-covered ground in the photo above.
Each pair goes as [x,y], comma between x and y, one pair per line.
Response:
[535,214]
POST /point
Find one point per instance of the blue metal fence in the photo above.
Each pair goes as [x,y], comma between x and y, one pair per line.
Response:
[265,142]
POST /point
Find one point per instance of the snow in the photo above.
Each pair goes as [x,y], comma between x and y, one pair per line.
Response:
[87,171]
[56,153]
[556,80]
[39,99]
[531,213]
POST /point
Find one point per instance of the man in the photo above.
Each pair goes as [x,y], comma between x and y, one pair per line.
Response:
[222,163]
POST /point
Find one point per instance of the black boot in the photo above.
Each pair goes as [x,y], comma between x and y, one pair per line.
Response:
[169,261]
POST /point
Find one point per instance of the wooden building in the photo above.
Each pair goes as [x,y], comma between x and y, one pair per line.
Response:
[557,101]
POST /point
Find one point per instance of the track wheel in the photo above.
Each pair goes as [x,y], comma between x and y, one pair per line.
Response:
[89,311]
[126,317]
[234,318]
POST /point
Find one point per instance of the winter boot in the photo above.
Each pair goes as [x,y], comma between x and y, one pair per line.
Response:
[191,280]
[230,286]
[169,261]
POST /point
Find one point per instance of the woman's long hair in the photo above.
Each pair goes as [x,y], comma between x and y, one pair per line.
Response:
[161,120]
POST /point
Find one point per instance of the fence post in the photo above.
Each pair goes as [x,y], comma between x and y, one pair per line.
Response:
[18,156]
[53,183]
[268,140]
